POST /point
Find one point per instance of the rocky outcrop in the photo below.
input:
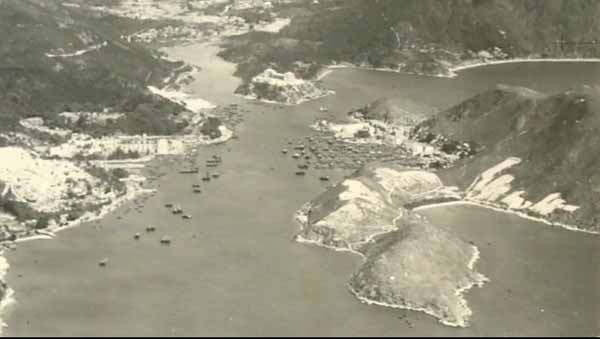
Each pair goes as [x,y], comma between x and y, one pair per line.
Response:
[368,203]
[286,88]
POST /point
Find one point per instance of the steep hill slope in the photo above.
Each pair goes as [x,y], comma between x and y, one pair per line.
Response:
[552,141]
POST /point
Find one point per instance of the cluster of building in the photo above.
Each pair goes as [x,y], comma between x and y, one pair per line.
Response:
[105,146]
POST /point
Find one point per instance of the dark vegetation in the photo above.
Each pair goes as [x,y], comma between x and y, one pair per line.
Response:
[211,128]
[429,32]
[115,76]
[119,154]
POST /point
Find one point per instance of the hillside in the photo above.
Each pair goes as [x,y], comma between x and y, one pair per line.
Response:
[74,92]
[393,110]
[541,151]
[58,58]
[420,36]
[409,262]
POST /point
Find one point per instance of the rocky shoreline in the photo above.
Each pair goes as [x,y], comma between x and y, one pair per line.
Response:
[459,293]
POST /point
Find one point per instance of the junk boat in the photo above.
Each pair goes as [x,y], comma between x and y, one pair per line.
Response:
[165,240]
[190,171]
[177,209]
[150,228]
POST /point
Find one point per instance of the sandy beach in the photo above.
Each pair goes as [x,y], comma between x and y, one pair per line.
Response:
[508,211]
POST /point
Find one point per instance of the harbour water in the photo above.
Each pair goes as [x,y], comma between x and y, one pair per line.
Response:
[234,269]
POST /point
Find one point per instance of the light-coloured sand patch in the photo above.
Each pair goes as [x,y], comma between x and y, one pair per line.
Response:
[78,53]
[492,187]
[194,104]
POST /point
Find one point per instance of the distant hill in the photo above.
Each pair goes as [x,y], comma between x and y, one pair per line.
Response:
[57,58]
[556,139]
[422,36]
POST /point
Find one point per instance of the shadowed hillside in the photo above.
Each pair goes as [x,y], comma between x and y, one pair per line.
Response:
[555,137]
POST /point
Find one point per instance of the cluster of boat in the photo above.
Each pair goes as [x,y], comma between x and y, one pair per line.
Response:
[212,162]
[176,209]
[165,240]
[301,153]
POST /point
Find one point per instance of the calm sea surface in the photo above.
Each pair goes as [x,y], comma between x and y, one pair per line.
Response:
[233,269]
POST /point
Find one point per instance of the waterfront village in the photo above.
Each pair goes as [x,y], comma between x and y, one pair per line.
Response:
[50,184]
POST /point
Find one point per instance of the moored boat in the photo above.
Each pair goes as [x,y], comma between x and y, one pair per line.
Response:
[189,171]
